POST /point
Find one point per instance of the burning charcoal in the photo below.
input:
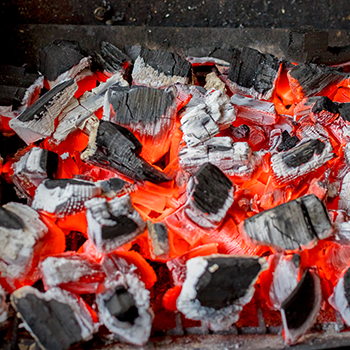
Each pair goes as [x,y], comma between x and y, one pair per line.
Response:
[288,142]
[299,311]
[240,133]
[38,121]
[303,109]
[33,168]
[307,156]
[217,287]
[64,196]
[115,187]
[124,308]
[292,225]
[61,60]
[75,272]
[253,73]
[254,111]
[56,319]
[3,305]
[158,233]
[116,149]
[344,197]
[324,111]
[210,195]
[114,223]
[156,68]
[21,228]
[309,79]
[77,112]
[145,110]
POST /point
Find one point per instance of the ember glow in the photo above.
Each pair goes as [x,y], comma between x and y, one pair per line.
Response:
[175,203]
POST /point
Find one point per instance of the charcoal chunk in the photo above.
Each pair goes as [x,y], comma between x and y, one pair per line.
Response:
[229,281]
[123,226]
[113,185]
[240,133]
[344,111]
[10,220]
[122,305]
[58,57]
[288,142]
[63,183]
[303,153]
[325,104]
[158,232]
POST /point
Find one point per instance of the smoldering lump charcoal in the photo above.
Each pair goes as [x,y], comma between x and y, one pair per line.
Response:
[152,192]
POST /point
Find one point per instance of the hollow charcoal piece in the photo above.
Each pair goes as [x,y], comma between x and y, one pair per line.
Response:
[297,223]
[158,233]
[217,287]
[58,57]
[56,319]
[344,111]
[253,73]
[288,142]
[299,311]
[64,196]
[324,111]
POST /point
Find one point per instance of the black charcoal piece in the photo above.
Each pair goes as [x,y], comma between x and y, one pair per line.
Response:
[344,111]
[49,162]
[325,104]
[347,285]
[288,142]
[58,57]
[253,71]
[63,183]
[297,223]
[11,96]
[122,305]
[158,232]
[122,226]
[226,280]
[240,133]
[303,153]
[10,220]
[117,149]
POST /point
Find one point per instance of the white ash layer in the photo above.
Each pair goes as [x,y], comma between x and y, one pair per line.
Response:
[344,196]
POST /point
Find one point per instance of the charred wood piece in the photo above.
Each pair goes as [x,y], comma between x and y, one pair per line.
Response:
[210,195]
[145,110]
[287,142]
[114,223]
[57,319]
[33,168]
[217,287]
[305,157]
[115,148]
[115,187]
[324,111]
[64,196]
[292,225]
[253,73]
[156,68]
[299,311]
[254,111]
[38,121]
[158,233]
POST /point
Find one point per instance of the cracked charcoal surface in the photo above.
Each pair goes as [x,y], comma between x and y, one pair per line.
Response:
[251,69]
[211,188]
[139,104]
[123,226]
[52,322]
[58,57]
[122,306]
[344,111]
[228,283]
[300,303]
[161,231]
[166,62]
[347,285]
[288,142]
[302,153]
[49,162]
[41,106]
[325,104]
[10,220]
[62,183]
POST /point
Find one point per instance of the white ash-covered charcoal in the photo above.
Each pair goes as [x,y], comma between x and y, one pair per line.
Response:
[217,287]
[210,196]
[33,168]
[158,233]
[115,148]
[212,81]
[156,68]
[111,60]
[344,196]
[56,319]
[298,223]
[124,308]
[253,73]
[20,230]
[307,156]
[61,60]
[38,121]
[64,196]
[114,223]
[255,111]
[3,305]
[75,115]
[207,61]
[309,79]
[287,141]
[324,111]
[115,187]
[303,109]
[148,111]
[299,311]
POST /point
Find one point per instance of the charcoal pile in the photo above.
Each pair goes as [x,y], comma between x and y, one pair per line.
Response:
[154,200]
